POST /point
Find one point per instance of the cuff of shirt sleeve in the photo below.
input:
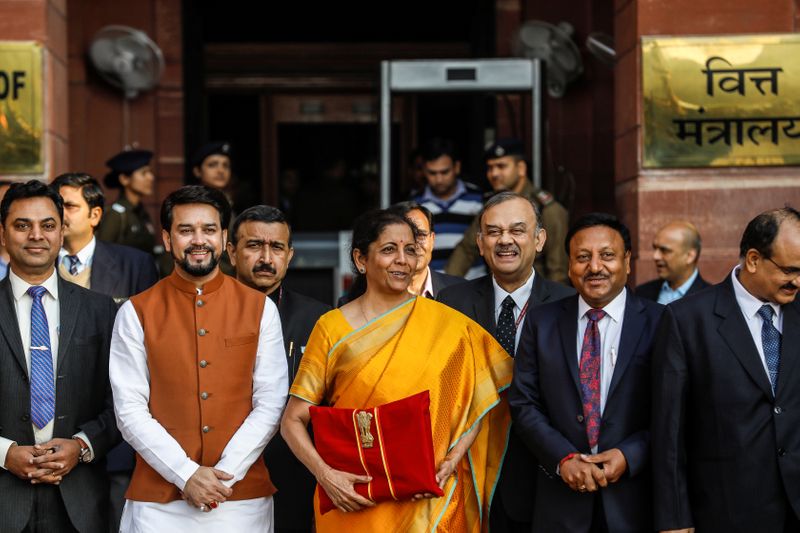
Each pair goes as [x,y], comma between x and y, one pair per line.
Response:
[184,472]
[81,435]
[5,444]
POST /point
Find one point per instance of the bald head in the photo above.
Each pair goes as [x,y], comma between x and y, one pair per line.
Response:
[676,250]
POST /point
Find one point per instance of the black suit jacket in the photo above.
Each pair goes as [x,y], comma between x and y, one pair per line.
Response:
[726,453]
[440,280]
[121,271]
[652,289]
[547,410]
[475,298]
[294,501]
[83,403]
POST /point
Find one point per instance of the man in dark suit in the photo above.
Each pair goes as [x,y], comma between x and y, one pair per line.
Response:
[108,268]
[57,418]
[509,239]
[676,251]
[726,393]
[260,249]
[581,388]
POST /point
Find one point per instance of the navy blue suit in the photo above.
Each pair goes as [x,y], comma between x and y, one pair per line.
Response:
[121,271]
[547,410]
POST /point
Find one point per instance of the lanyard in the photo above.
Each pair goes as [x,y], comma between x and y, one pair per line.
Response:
[521,315]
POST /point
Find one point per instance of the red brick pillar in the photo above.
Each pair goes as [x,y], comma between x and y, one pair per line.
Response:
[720,201]
[45,21]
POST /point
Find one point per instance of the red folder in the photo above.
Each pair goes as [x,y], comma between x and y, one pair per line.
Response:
[392,443]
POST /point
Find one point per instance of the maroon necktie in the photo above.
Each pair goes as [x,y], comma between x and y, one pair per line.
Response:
[590,375]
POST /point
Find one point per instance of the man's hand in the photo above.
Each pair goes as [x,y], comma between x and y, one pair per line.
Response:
[19,461]
[57,458]
[687,530]
[613,461]
[205,490]
[582,476]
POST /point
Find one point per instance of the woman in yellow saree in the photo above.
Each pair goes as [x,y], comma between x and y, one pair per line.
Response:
[384,346]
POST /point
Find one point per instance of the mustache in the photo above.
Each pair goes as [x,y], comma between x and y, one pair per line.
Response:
[506,248]
[790,286]
[202,248]
[264,267]
[591,277]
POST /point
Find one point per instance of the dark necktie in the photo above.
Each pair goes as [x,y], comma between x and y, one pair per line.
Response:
[73,264]
[43,390]
[590,375]
[771,342]
[506,327]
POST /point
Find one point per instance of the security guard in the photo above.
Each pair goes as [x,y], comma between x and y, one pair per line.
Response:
[506,170]
[127,221]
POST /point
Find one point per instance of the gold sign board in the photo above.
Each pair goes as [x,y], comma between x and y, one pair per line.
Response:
[20,107]
[721,101]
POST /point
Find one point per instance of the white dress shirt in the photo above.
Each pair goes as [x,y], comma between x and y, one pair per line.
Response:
[520,297]
[22,305]
[84,256]
[610,327]
[749,306]
[130,382]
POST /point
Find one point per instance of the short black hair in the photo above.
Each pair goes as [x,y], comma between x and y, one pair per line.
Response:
[505,196]
[259,213]
[30,189]
[760,232]
[196,194]
[90,188]
[438,147]
[599,219]
[404,208]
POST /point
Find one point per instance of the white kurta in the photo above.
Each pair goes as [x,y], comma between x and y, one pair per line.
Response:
[130,382]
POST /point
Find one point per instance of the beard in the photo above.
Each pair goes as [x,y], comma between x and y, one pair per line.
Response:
[194,269]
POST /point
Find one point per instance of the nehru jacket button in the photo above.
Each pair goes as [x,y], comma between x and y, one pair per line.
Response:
[204,396]
[25,418]
[206,429]
[579,418]
[778,409]
[781,452]
[200,303]
[203,363]
[201,332]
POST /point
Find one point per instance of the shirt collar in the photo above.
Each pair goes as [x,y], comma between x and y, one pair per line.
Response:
[683,289]
[19,287]
[427,287]
[748,303]
[85,255]
[520,296]
[429,196]
[614,309]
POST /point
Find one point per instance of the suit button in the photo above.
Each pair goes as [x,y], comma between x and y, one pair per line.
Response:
[25,418]
[203,363]
[778,409]
[781,452]
[204,396]
[202,332]
[206,429]
[579,418]
[200,303]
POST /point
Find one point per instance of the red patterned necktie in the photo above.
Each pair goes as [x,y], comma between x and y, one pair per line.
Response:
[590,375]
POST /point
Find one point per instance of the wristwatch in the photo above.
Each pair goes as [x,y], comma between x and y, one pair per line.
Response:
[83,457]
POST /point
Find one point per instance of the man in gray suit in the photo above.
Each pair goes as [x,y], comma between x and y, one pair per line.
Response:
[57,419]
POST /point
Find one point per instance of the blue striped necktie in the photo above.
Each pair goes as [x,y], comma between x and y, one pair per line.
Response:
[43,389]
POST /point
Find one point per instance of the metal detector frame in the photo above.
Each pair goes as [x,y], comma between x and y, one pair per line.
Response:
[459,75]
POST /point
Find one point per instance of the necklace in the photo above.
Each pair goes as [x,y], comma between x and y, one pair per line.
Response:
[363,313]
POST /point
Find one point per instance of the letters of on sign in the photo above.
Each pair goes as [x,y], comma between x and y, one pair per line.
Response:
[721,101]
[20,108]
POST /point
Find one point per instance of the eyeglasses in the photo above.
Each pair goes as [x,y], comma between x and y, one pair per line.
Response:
[789,272]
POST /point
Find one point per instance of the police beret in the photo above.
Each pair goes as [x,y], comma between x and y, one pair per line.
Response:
[504,147]
[212,148]
[126,162]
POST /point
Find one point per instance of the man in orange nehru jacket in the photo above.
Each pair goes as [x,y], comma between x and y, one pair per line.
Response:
[198,372]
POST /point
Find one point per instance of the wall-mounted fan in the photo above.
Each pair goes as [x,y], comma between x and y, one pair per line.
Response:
[127,58]
[554,46]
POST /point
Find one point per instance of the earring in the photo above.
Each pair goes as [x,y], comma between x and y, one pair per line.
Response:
[362,270]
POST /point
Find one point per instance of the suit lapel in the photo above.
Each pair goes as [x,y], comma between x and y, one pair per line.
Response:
[633,323]
[435,282]
[789,348]
[733,329]
[68,310]
[104,270]
[568,331]
[540,293]
[9,324]
[484,305]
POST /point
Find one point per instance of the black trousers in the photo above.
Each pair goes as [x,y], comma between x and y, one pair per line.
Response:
[48,514]
[500,522]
